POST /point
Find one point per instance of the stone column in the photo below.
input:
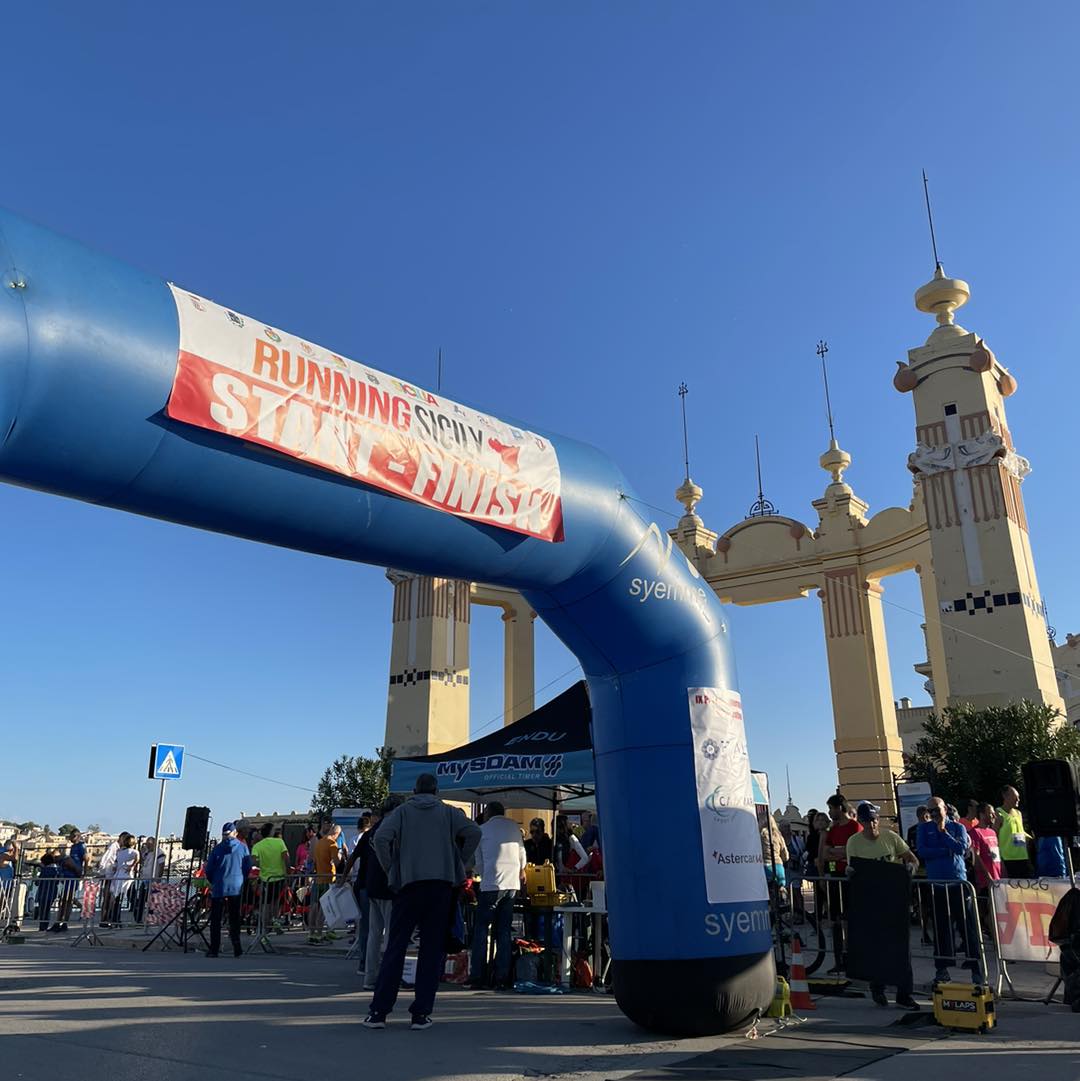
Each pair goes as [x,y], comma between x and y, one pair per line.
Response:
[868,749]
[519,670]
[427,708]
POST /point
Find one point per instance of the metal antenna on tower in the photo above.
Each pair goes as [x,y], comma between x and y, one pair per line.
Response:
[683,391]
[930,219]
[822,350]
[761,508]
[787,770]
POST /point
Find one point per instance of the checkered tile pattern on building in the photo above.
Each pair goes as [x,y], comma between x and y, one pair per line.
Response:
[987,602]
[411,676]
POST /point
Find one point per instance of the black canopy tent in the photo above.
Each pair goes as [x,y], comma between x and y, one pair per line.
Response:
[545,759]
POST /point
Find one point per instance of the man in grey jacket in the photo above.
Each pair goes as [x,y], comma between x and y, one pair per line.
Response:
[424,847]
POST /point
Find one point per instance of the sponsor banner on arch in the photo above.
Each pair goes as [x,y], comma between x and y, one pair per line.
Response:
[238,376]
[730,838]
[1023,909]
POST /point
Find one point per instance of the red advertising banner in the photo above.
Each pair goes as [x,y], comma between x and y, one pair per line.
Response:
[239,377]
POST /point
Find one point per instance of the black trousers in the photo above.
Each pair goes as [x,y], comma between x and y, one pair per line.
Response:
[425,905]
[217,905]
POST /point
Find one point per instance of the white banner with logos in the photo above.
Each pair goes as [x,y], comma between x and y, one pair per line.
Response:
[1023,909]
[257,383]
[730,837]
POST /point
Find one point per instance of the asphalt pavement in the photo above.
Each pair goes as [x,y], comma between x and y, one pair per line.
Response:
[92,1014]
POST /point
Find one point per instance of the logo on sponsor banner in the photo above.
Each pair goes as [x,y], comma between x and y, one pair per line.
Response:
[710,748]
[196,303]
[729,858]
[509,455]
[722,805]
[537,737]
[732,707]
[307,349]
[235,319]
[339,362]
[549,765]
[272,334]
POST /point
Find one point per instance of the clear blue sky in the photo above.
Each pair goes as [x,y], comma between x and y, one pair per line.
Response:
[583,204]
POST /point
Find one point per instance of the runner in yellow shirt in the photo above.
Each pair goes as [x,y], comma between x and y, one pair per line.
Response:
[1012,838]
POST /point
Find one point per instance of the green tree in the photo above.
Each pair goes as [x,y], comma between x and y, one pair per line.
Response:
[354,781]
[67,827]
[969,753]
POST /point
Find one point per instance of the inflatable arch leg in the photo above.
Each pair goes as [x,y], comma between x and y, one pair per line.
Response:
[103,373]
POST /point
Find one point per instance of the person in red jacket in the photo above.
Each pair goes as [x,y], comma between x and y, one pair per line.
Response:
[832,863]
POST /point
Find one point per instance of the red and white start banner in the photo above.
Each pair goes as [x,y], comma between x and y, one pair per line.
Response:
[240,377]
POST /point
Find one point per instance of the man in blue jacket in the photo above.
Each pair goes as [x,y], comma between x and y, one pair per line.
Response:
[942,847]
[226,871]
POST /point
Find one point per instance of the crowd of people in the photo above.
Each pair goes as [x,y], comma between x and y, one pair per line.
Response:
[945,849]
[126,868]
[413,858]
[412,863]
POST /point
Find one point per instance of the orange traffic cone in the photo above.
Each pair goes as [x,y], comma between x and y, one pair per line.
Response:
[800,993]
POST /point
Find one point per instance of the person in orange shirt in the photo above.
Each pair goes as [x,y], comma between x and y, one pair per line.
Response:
[326,855]
[969,814]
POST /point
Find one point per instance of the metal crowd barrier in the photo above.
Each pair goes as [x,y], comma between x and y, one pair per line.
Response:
[32,902]
[945,927]
[1020,910]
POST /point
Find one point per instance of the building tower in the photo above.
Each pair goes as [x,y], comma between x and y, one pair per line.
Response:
[992,617]
[427,709]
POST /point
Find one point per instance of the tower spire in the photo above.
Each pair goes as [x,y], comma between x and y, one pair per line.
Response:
[938,272]
[822,350]
[683,391]
[940,296]
[834,461]
[688,493]
[761,507]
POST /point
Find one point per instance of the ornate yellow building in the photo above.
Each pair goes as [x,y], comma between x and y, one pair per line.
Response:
[964,533]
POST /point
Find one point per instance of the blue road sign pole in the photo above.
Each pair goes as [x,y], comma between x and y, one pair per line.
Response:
[168,764]
[157,825]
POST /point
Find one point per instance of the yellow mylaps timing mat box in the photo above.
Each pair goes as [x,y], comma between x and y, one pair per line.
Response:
[540,884]
[964,1006]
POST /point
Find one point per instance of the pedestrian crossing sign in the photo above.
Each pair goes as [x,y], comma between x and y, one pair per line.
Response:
[167,760]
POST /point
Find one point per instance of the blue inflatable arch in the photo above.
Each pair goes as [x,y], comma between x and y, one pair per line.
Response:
[90,374]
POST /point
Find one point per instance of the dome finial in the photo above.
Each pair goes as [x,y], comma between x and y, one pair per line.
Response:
[835,461]
[689,495]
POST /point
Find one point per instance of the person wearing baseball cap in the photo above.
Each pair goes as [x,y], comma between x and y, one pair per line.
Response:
[226,870]
[875,843]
